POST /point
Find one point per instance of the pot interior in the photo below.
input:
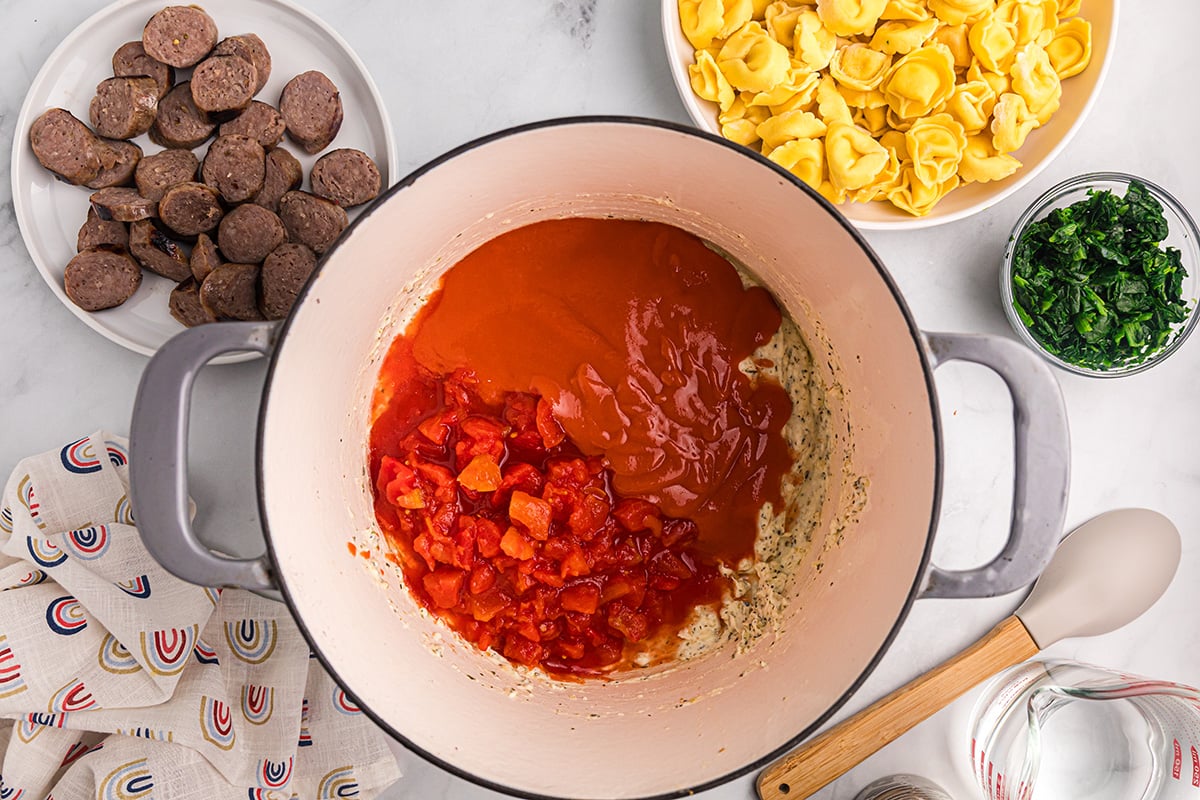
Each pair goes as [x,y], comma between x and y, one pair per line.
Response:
[664,731]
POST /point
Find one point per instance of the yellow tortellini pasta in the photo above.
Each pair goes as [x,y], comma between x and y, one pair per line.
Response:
[753,61]
[1070,50]
[885,100]
[1034,78]
[898,36]
[919,82]
[850,17]
[857,66]
[853,155]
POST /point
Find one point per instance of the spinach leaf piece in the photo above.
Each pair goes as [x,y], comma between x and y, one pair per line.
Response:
[1093,285]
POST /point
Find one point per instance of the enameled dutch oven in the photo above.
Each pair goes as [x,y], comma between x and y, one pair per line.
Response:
[674,731]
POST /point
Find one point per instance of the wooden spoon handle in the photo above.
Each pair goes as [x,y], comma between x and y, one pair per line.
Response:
[823,759]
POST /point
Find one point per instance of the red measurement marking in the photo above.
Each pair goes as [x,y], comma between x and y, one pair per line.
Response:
[1176,767]
[1195,767]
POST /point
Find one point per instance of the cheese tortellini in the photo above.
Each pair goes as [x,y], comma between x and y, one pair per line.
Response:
[896,100]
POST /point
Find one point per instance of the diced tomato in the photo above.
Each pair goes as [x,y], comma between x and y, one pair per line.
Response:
[519,475]
[666,562]
[444,586]
[637,515]
[575,564]
[632,624]
[548,577]
[486,606]
[481,475]
[483,577]
[441,479]
[581,597]
[487,537]
[631,588]
[679,532]
[551,432]
[434,429]
[516,544]
[522,650]
[589,513]
[570,649]
[533,513]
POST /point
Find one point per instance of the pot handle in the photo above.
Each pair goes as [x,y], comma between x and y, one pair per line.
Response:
[158,444]
[1041,465]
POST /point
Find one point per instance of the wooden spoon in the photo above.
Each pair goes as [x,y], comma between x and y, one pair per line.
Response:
[1104,575]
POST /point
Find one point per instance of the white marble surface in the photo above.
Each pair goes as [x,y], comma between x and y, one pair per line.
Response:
[450,71]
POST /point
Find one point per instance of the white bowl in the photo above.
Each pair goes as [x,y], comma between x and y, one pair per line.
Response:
[1040,148]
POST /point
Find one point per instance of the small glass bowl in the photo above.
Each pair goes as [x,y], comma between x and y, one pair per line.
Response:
[1182,235]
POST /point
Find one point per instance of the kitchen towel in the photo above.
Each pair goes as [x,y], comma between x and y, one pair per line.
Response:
[122,681]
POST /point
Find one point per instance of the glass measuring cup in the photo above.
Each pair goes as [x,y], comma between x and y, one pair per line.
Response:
[1061,730]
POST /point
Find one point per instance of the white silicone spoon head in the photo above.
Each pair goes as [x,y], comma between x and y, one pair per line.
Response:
[1104,575]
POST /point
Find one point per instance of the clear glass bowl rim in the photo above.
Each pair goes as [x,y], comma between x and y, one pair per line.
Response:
[1042,205]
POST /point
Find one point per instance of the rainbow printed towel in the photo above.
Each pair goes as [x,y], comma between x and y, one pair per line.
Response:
[118,680]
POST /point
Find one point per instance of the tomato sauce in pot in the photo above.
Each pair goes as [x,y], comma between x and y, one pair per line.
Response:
[564,449]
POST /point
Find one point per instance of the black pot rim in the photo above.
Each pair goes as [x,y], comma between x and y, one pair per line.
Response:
[918,344]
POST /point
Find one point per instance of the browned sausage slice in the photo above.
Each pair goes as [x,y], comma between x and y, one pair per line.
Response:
[96,231]
[312,220]
[179,123]
[131,59]
[222,86]
[205,257]
[158,252]
[260,122]
[251,48]
[185,305]
[283,275]
[235,166]
[165,169]
[348,177]
[249,233]
[282,174]
[230,292]
[124,107]
[179,35]
[123,204]
[190,208]
[101,277]
[120,160]
[312,109]
[65,146]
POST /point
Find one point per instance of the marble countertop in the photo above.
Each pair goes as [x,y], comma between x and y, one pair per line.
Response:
[454,70]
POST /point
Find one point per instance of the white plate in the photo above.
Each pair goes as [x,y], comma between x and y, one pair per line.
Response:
[1040,148]
[50,212]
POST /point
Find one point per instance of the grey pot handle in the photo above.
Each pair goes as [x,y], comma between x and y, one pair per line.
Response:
[158,444]
[1041,465]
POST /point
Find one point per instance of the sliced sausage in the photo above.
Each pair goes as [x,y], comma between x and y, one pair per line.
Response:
[65,146]
[312,220]
[165,169]
[312,109]
[96,231]
[179,35]
[283,275]
[120,160]
[251,48]
[249,233]
[348,177]
[124,107]
[235,165]
[283,173]
[205,257]
[230,292]
[179,123]
[131,59]
[260,122]
[190,208]
[185,305]
[123,204]
[222,86]
[101,277]
[158,252]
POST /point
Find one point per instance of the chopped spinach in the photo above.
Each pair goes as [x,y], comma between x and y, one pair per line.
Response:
[1092,284]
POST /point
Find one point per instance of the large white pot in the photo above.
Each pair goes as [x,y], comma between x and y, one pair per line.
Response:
[674,732]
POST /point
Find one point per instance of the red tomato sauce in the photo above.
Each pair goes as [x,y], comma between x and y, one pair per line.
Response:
[563,447]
